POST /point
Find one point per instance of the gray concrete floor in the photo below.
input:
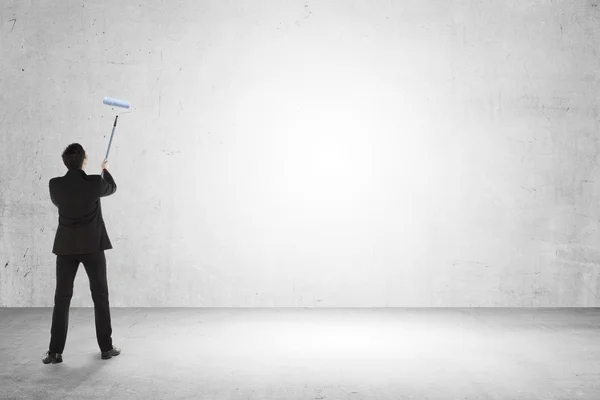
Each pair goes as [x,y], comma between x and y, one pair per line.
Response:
[308,354]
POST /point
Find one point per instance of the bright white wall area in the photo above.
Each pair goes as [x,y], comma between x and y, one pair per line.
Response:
[330,153]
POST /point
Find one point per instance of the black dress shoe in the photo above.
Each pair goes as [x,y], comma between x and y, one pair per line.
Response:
[52,358]
[109,354]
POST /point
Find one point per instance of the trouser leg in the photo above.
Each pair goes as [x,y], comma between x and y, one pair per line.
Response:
[95,267]
[66,270]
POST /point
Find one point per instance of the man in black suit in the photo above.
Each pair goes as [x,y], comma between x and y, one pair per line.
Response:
[81,237]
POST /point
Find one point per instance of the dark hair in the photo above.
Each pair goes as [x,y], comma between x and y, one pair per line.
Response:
[73,156]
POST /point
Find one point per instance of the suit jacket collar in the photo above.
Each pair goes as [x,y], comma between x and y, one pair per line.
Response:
[75,172]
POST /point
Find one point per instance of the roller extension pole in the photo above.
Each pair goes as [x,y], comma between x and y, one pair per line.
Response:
[109,101]
[110,141]
[111,136]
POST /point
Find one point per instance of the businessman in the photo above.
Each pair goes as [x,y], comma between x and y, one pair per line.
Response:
[81,237]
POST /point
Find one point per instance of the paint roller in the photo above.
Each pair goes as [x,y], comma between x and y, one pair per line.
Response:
[109,101]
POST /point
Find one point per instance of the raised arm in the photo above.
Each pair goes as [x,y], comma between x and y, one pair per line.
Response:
[107,184]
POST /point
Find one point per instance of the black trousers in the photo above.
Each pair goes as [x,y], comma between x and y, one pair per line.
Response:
[66,269]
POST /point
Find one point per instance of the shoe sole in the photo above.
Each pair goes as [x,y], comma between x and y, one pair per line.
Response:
[51,362]
[109,356]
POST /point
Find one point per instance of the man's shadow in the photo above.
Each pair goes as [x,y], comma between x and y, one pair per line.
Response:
[61,379]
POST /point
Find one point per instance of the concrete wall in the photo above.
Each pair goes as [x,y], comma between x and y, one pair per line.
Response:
[323,153]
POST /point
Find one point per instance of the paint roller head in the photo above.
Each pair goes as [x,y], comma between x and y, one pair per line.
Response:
[109,101]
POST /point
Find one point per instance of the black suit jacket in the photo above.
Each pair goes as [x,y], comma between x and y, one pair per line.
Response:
[81,228]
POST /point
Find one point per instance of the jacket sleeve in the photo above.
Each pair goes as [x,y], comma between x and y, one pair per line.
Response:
[52,197]
[107,184]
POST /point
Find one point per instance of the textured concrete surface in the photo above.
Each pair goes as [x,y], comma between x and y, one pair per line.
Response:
[382,354]
[364,153]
